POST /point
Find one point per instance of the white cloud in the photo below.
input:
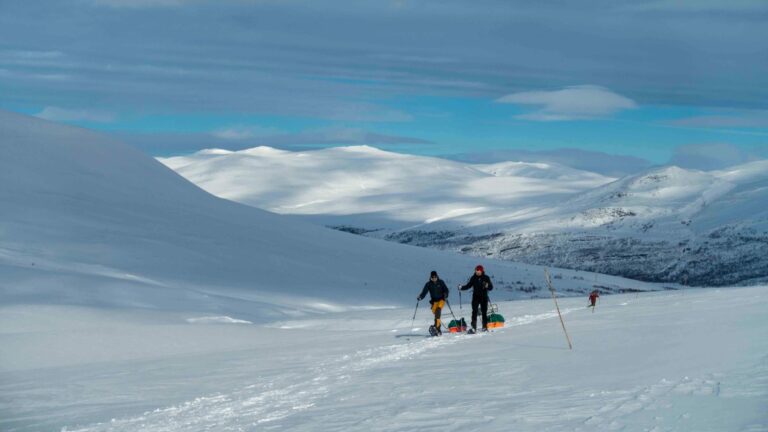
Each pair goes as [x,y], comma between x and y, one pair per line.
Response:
[571,103]
[64,115]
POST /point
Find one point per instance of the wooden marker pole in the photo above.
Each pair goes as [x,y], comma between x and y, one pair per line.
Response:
[552,290]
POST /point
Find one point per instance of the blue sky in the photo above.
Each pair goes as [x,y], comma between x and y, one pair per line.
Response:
[656,80]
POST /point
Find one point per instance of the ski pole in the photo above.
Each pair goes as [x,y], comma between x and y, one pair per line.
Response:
[414,313]
[449,308]
[490,306]
[459,297]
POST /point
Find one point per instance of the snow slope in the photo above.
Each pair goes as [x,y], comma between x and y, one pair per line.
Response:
[664,224]
[89,221]
[694,360]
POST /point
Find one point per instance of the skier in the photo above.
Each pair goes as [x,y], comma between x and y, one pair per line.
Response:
[438,293]
[480,284]
[593,298]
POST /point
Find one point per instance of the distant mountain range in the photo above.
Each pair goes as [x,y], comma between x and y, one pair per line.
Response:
[664,224]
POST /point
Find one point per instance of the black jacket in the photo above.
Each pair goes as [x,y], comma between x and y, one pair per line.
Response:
[437,290]
[480,285]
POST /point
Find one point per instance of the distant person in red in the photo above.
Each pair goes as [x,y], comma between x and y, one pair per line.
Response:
[593,298]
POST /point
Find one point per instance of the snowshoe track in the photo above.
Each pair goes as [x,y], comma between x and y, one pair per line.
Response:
[262,404]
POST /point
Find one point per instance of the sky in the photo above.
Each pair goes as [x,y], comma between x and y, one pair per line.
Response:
[660,81]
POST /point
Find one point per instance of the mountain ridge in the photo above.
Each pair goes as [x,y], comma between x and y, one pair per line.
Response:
[539,213]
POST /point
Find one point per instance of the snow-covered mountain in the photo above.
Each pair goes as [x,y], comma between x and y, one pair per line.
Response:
[87,220]
[664,224]
[377,188]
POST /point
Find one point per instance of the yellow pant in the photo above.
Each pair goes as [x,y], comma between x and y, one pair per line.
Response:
[437,308]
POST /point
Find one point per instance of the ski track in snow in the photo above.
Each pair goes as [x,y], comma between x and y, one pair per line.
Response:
[656,403]
[280,397]
[626,403]
[300,399]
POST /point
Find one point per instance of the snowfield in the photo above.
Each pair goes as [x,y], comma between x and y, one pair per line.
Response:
[694,360]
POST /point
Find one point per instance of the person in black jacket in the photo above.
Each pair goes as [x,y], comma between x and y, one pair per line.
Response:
[480,284]
[438,293]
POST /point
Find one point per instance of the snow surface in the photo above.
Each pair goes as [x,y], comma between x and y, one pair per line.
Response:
[693,360]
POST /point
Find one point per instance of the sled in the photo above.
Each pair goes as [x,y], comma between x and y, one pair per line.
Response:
[495,319]
[457,326]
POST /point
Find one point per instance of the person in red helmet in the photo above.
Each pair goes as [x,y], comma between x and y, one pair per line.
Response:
[480,284]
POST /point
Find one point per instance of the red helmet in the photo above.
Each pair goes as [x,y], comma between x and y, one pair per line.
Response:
[479,267]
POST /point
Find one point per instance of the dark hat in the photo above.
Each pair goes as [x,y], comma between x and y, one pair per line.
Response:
[433,274]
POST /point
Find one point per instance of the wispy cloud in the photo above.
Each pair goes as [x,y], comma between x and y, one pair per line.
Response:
[73,115]
[367,113]
[359,62]
[732,119]
[584,102]
[699,5]
[135,4]
[29,55]
[353,60]
[340,135]
[238,133]
[711,156]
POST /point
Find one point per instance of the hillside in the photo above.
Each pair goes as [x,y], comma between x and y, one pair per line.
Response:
[89,221]
[667,224]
